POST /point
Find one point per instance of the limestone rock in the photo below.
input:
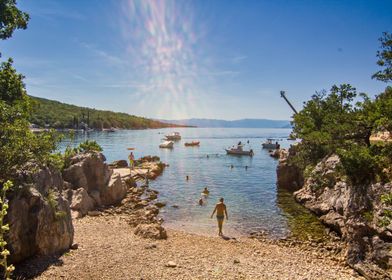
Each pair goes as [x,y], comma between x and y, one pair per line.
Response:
[39,217]
[153,231]
[119,164]
[81,201]
[115,191]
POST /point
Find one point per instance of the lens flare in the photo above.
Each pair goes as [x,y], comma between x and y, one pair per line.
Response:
[163,46]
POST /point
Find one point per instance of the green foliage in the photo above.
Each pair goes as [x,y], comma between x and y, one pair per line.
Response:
[52,201]
[84,147]
[387,199]
[11,18]
[89,146]
[385,59]
[359,164]
[4,253]
[59,115]
[18,145]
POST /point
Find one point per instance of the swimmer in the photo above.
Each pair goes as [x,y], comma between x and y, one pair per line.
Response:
[246,167]
[187,177]
[208,156]
[231,166]
[206,191]
[201,201]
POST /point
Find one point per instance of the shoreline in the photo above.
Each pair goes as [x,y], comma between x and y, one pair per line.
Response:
[108,249]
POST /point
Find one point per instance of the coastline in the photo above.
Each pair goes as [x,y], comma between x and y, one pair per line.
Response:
[108,249]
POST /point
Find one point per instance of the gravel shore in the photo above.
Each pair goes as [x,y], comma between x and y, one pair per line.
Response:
[108,249]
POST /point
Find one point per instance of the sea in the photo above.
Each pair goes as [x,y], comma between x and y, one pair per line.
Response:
[247,184]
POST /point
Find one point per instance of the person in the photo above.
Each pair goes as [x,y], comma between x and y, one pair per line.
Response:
[221,211]
[231,166]
[206,191]
[131,160]
[246,167]
[201,201]
[187,177]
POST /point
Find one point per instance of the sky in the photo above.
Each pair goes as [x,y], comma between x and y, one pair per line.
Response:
[197,59]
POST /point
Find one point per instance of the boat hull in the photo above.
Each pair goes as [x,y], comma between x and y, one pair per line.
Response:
[192,144]
[239,153]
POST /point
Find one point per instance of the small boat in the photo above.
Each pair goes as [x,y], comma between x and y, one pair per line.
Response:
[167,144]
[193,143]
[270,145]
[175,136]
[239,151]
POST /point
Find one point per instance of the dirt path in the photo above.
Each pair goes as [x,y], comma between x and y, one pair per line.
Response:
[108,249]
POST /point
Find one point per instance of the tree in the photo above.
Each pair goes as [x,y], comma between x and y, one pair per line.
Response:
[11,18]
[385,59]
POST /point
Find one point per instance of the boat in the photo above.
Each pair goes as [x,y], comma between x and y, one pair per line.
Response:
[239,151]
[193,143]
[175,136]
[270,145]
[167,144]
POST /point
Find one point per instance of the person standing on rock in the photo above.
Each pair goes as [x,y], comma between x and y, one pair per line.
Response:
[221,211]
[131,160]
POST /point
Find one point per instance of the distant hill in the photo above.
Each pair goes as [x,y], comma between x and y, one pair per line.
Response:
[54,114]
[246,123]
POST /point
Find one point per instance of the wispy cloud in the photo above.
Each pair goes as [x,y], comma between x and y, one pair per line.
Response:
[239,58]
[110,58]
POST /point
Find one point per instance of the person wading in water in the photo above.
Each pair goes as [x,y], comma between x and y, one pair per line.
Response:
[221,211]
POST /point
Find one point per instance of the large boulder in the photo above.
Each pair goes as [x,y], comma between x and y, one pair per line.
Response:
[89,171]
[39,217]
[81,202]
[115,190]
[289,176]
[355,212]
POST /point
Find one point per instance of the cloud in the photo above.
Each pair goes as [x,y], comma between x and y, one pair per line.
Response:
[111,59]
[239,58]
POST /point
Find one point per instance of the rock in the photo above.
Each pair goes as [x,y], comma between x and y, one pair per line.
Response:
[74,246]
[94,213]
[175,206]
[97,197]
[81,201]
[160,204]
[39,217]
[153,231]
[119,164]
[289,176]
[151,246]
[171,264]
[115,191]
[236,261]
[89,171]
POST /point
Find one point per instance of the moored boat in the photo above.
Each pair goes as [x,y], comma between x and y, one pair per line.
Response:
[167,144]
[239,151]
[270,145]
[173,136]
[193,143]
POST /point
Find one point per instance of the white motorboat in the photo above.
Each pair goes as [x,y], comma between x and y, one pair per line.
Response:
[175,136]
[167,144]
[270,145]
[239,151]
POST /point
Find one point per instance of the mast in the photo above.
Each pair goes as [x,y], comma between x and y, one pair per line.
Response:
[283,95]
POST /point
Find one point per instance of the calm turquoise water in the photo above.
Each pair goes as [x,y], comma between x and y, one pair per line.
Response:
[250,195]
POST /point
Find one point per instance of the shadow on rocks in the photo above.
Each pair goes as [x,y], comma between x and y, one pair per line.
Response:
[33,267]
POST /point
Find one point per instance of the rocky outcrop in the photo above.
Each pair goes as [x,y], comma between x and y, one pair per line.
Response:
[356,212]
[39,216]
[91,184]
[122,163]
[153,231]
[289,176]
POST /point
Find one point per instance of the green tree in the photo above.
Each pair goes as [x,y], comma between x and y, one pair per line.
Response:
[385,59]
[11,18]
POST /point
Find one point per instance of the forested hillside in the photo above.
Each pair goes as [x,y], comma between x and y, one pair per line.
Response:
[55,114]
